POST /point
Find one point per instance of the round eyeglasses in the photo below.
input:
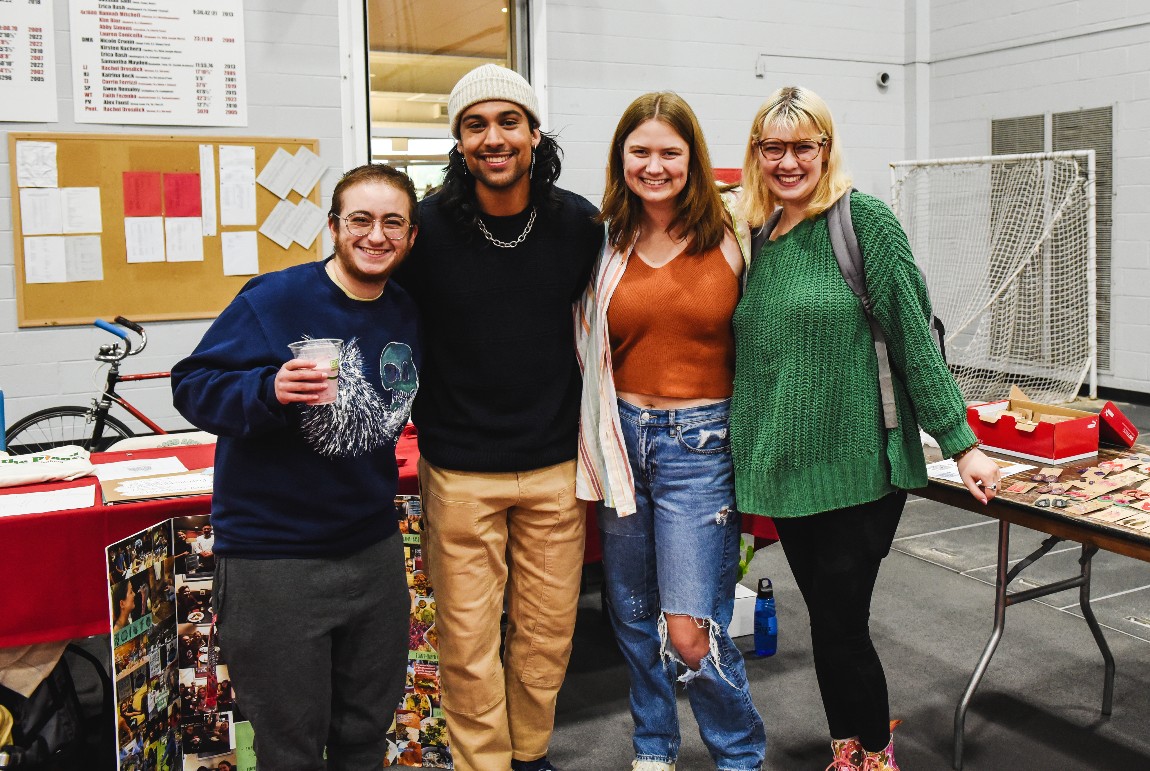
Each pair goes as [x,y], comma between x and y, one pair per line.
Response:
[394,227]
[804,149]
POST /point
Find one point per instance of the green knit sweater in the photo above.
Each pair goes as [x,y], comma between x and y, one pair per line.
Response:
[807,432]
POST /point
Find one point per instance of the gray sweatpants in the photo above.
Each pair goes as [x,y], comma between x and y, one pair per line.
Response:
[317,653]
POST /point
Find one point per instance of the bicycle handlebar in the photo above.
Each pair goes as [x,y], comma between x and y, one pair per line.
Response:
[130,325]
[115,330]
[110,353]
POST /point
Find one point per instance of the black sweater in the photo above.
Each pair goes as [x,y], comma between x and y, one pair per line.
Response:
[499,385]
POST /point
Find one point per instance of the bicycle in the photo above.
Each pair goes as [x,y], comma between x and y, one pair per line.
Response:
[90,427]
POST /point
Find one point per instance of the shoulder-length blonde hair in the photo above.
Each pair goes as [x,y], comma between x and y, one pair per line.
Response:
[794,108]
[699,212]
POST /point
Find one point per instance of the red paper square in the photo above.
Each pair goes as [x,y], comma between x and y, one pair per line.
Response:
[182,195]
[142,194]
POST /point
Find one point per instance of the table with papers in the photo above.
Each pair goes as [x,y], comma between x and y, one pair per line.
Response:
[1060,524]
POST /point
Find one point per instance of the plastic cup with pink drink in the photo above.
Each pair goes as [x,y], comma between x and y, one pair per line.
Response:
[324,352]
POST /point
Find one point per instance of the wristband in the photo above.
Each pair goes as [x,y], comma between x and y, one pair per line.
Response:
[959,455]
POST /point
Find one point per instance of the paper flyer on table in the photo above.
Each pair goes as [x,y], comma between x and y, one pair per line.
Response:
[142,467]
[947,470]
[190,483]
[82,497]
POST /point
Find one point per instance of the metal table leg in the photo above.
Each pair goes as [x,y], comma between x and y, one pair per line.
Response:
[1088,553]
[1000,584]
[1004,599]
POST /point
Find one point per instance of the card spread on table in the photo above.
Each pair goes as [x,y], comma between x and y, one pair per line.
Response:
[1119,464]
[1127,478]
[1087,507]
[1111,514]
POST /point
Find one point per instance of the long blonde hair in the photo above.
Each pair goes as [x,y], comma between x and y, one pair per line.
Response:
[793,108]
[699,212]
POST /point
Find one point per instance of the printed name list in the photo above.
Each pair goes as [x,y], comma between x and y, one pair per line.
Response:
[27,61]
[159,62]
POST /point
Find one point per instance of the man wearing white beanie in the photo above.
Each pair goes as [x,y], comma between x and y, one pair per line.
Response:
[502,256]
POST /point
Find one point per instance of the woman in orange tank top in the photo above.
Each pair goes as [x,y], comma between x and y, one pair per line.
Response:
[657,347]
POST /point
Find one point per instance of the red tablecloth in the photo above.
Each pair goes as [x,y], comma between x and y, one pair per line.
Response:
[53,573]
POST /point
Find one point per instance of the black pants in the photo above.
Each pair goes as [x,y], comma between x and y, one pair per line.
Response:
[835,558]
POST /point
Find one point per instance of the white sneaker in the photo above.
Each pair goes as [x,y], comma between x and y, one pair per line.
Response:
[651,765]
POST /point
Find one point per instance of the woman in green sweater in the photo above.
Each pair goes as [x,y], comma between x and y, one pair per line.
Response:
[808,438]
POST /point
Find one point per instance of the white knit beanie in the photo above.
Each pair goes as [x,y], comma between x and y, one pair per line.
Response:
[489,82]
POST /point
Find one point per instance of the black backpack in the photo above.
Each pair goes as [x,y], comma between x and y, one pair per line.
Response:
[850,259]
[50,730]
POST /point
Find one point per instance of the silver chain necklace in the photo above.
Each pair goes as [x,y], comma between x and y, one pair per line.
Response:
[508,244]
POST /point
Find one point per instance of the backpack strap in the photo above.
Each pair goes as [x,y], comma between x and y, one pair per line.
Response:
[850,259]
[758,238]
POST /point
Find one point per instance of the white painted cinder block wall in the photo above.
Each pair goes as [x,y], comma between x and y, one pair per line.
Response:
[294,90]
[601,54]
[993,59]
[954,66]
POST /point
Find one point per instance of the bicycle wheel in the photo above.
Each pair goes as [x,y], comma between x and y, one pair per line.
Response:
[57,426]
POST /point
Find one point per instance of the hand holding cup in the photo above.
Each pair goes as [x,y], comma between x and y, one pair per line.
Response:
[312,376]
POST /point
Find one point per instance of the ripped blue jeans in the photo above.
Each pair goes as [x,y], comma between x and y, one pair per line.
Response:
[678,554]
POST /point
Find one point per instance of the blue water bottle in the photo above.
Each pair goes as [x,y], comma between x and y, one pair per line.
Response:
[766,623]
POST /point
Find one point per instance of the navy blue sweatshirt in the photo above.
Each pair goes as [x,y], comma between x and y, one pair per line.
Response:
[501,382]
[292,480]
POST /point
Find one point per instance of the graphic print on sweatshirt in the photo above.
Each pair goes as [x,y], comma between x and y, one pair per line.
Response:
[361,419]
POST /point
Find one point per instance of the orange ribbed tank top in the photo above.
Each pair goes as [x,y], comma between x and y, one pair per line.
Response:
[670,327]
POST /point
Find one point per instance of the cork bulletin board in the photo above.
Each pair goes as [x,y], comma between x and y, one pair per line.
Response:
[146,291]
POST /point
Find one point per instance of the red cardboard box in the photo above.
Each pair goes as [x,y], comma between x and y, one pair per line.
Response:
[1074,437]
[1115,427]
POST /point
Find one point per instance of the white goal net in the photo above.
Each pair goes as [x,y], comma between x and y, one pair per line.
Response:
[1007,244]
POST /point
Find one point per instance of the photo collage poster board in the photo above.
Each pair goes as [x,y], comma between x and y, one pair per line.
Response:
[175,708]
[418,736]
[172,715]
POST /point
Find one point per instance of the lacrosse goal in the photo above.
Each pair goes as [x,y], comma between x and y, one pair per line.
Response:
[1007,243]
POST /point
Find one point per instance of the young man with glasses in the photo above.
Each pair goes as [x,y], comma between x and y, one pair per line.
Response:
[310,594]
[503,257]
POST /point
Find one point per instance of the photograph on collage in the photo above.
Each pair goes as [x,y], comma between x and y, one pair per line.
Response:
[418,735]
[228,761]
[141,612]
[194,547]
[193,600]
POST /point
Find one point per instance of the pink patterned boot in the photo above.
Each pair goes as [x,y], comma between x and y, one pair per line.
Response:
[883,760]
[848,755]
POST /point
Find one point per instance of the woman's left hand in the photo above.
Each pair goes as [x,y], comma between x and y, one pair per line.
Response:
[980,474]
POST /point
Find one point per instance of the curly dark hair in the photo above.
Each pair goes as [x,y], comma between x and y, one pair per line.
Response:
[458,190]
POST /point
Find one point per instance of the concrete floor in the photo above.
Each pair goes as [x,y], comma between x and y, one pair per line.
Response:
[1038,706]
